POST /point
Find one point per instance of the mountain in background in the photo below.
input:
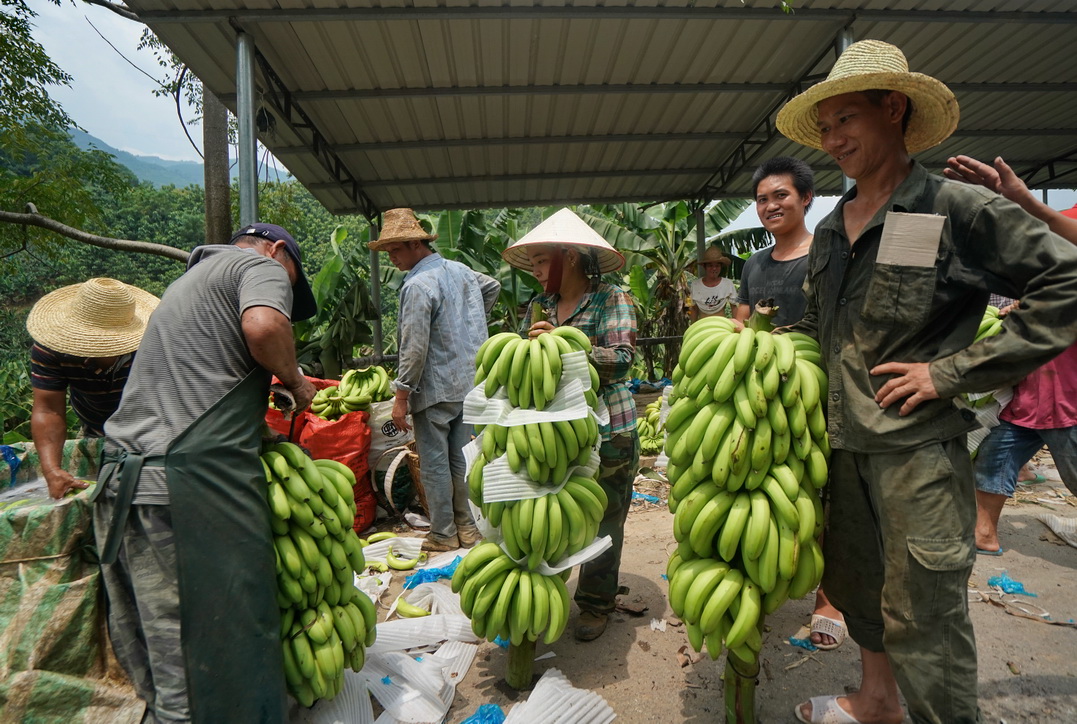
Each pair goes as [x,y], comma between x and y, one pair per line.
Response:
[158,171]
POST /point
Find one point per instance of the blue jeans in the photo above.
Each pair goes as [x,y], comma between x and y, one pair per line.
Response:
[1007,447]
[440,437]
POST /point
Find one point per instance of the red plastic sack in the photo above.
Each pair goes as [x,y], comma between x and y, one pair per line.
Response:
[275,418]
[346,440]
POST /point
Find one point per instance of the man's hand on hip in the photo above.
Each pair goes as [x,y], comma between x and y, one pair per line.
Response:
[912,381]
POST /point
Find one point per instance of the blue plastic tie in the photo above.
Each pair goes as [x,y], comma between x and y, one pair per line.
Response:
[387,681]
[486,714]
[803,643]
[11,459]
[643,496]
[503,643]
[1009,585]
[429,575]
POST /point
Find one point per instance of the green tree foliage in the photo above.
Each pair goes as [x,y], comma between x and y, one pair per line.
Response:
[28,71]
[659,243]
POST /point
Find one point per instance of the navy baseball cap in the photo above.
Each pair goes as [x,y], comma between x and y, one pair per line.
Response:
[303,304]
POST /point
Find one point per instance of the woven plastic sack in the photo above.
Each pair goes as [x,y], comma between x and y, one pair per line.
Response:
[56,663]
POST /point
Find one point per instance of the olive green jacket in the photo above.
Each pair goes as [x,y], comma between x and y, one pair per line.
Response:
[866,313]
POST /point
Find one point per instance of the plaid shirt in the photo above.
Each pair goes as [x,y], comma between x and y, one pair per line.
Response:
[608,318]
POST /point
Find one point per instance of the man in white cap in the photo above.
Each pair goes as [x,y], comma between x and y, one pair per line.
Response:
[85,336]
[440,326]
[898,279]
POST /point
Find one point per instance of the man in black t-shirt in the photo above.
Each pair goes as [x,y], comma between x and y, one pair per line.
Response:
[84,337]
[784,189]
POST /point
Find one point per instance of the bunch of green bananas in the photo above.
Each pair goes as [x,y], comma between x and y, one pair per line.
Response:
[990,325]
[502,599]
[530,369]
[747,441]
[357,389]
[652,435]
[549,527]
[544,449]
[325,620]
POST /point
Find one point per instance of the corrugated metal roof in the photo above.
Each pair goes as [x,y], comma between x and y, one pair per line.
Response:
[469,103]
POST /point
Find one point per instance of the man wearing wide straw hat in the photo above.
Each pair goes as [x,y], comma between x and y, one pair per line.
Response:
[84,337]
[712,293]
[440,326]
[898,279]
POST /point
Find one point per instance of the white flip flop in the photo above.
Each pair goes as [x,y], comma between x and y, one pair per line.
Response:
[825,710]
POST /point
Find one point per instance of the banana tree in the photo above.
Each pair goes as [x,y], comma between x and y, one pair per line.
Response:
[330,338]
[659,243]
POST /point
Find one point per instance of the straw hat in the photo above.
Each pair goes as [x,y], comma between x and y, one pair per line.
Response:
[564,229]
[714,254]
[868,65]
[97,318]
[400,225]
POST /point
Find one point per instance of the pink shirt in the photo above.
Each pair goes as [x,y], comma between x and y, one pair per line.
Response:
[1047,398]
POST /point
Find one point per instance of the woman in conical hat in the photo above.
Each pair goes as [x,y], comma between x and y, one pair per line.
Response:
[568,258]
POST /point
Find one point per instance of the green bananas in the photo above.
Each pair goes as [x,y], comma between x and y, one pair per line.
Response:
[325,620]
[651,431]
[748,448]
[501,599]
[990,326]
[530,369]
[500,589]
[357,389]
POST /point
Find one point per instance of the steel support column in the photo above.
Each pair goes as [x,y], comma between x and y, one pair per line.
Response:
[845,39]
[248,151]
[375,289]
[701,237]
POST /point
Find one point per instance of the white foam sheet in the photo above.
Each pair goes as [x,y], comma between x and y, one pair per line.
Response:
[499,483]
[555,700]
[351,706]
[418,689]
[403,547]
[407,633]
[436,597]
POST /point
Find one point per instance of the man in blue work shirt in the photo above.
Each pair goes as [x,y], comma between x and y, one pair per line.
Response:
[441,324]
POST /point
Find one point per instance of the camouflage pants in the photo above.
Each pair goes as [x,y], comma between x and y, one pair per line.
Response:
[596,590]
[143,608]
[899,552]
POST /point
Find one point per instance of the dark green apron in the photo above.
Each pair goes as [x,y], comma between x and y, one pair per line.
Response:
[229,618]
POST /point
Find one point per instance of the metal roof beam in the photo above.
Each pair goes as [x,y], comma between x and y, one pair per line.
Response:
[413,145]
[435,145]
[357,94]
[282,102]
[756,140]
[600,12]
[619,174]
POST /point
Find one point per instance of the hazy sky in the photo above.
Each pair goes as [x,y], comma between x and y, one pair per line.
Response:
[108,97]
[115,102]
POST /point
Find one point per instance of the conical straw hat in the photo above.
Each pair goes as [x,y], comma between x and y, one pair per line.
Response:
[564,228]
[870,65]
[400,225]
[97,318]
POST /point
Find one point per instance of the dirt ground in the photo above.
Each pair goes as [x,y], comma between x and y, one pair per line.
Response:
[1027,671]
